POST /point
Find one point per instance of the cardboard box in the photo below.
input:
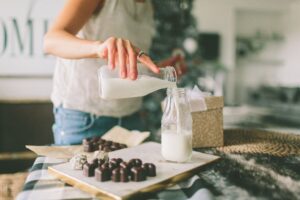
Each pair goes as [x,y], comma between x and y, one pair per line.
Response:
[208,125]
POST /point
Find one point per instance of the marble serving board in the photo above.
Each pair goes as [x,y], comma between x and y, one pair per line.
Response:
[168,173]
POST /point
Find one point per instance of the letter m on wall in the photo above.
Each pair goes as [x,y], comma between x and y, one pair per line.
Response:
[22,38]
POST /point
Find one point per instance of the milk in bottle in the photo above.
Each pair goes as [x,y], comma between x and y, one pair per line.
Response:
[111,86]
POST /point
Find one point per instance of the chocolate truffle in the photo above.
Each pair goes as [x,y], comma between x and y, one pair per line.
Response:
[86,140]
[137,174]
[116,161]
[107,148]
[108,143]
[102,174]
[95,146]
[135,162]
[89,169]
[101,141]
[101,147]
[88,147]
[150,169]
[112,166]
[123,146]
[115,175]
[123,175]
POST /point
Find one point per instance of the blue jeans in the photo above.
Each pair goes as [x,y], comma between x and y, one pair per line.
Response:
[71,126]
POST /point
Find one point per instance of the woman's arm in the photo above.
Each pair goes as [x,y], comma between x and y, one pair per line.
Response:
[61,41]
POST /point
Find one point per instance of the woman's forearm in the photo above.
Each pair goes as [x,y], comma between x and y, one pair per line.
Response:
[63,44]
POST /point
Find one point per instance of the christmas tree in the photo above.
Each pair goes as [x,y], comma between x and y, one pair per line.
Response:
[175,29]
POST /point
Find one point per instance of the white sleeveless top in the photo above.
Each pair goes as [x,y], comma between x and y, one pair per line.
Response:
[75,81]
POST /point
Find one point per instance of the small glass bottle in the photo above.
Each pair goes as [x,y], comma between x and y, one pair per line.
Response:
[111,86]
[176,127]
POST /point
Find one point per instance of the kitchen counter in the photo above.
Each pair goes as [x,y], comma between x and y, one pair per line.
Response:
[283,120]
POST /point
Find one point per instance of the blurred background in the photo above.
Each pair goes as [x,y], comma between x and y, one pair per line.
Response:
[245,50]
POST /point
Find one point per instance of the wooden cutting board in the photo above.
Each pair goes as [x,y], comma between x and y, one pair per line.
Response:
[167,173]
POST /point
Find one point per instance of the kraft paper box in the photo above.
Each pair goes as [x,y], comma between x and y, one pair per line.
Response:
[208,124]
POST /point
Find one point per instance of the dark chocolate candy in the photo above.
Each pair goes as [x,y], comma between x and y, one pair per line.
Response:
[135,162]
[101,147]
[137,174]
[102,174]
[86,140]
[116,161]
[100,162]
[107,149]
[88,147]
[108,142]
[112,166]
[97,143]
[89,169]
[101,141]
[123,146]
[115,175]
[150,169]
[95,146]
[124,175]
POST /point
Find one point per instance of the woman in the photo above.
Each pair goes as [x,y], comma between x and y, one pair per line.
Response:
[85,36]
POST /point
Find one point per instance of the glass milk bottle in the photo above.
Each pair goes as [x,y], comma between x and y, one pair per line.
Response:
[176,127]
[111,86]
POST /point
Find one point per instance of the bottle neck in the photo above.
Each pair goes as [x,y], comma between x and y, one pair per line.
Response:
[169,74]
[177,92]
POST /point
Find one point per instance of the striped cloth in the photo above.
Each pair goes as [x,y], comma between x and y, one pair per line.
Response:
[41,185]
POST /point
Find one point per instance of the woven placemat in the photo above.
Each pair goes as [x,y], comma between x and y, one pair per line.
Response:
[11,185]
[260,142]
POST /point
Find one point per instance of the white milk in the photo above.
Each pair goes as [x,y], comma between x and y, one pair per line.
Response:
[176,147]
[116,88]
[178,111]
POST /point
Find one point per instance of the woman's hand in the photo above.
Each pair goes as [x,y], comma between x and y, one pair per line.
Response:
[177,62]
[123,53]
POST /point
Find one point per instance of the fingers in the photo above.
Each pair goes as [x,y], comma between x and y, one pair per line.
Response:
[122,58]
[111,50]
[122,53]
[146,60]
[132,60]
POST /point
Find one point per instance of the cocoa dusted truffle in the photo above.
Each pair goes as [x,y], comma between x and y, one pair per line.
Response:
[137,174]
[150,169]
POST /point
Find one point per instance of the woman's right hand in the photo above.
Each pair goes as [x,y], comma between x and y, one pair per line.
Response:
[122,53]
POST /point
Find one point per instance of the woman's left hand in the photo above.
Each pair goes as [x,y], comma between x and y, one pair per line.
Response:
[177,62]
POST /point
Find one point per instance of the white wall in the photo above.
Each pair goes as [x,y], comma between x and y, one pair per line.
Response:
[221,16]
[290,72]
[25,72]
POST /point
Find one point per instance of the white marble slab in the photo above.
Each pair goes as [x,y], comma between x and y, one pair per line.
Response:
[167,173]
